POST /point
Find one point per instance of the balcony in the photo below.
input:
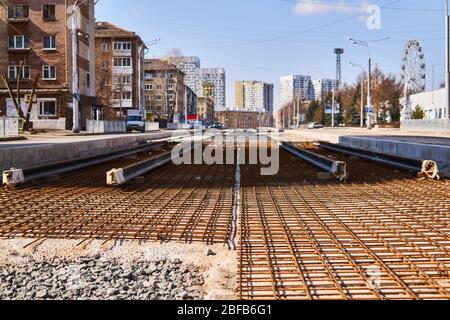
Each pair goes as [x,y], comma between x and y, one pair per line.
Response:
[122,53]
[122,70]
[125,103]
[18,19]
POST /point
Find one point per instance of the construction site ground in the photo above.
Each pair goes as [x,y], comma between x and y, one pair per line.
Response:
[384,234]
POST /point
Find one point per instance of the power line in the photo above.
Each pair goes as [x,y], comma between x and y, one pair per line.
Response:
[360,6]
[297,33]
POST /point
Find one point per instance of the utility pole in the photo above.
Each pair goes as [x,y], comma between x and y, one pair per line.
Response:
[332,108]
[75,89]
[354,65]
[369,86]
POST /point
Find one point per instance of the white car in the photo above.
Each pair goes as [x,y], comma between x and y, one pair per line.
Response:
[315,125]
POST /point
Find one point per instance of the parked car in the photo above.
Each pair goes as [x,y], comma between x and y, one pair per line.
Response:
[136,120]
[315,125]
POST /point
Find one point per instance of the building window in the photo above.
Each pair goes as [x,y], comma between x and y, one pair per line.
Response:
[104,47]
[148,75]
[148,87]
[170,87]
[50,42]
[47,108]
[49,73]
[159,97]
[105,65]
[49,12]
[88,80]
[122,79]
[122,46]
[122,62]
[158,87]
[20,11]
[13,72]
[126,95]
[19,42]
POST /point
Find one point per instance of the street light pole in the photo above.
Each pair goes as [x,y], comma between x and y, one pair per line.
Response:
[354,65]
[332,107]
[369,85]
[75,89]
[142,51]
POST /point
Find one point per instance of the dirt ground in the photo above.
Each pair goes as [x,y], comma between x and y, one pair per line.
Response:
[219,266]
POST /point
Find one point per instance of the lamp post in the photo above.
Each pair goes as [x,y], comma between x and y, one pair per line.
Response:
[355,65]
[75,89]
[369,86]
[142,51]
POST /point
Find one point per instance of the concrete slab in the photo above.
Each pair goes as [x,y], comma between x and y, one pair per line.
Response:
[415,145]
[42,150]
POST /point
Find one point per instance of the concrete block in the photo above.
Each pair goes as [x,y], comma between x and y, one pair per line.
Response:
[324,176]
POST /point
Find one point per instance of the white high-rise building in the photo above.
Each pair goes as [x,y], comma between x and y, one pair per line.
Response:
[294,86]
[254,96]
[217,77]
[195,76]
[190,66]
[322,87]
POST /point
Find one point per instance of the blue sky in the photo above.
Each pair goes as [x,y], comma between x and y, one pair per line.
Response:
[265,39]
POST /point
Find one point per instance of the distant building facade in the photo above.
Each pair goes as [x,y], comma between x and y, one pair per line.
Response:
[206,103]
[191,101]
[322,87]
[217,77]
[294,87]
[197,76]
[119,64]
[164,90]
[239,119]
[254,96]
[37,33]
[190,66]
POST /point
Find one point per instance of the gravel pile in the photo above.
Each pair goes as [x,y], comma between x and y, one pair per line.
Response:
[101,278]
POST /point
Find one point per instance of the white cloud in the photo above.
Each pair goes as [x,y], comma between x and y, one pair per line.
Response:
[315,7]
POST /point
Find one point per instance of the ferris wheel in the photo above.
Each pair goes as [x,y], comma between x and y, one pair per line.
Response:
[413,74]
[413,68]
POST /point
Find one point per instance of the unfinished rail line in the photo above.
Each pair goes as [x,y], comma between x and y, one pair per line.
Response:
[167,205]
[381,235]
[384,234]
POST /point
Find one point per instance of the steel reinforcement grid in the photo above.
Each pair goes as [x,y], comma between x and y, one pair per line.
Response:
[382,235]
[187,203]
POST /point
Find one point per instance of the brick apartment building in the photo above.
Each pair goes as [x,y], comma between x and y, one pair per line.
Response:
[119,69]
[38,34]
[165,91]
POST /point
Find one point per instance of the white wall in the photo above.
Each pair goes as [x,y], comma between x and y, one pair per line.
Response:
[432,102]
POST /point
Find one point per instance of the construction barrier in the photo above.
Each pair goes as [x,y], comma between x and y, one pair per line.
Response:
[9,127]
[151,126]
[94,126]
[50,124]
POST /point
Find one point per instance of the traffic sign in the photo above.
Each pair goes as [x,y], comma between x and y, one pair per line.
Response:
[77,96]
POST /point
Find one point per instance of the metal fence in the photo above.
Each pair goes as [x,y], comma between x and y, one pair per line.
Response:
[9,127]
[426,125]
[94,126]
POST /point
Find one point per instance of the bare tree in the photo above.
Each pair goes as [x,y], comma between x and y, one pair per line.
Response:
[174,56]
[16,98]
